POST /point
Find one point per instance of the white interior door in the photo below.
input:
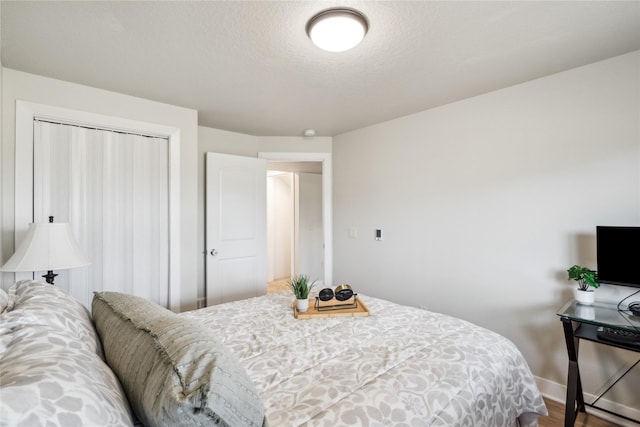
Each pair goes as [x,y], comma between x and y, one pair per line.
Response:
[235,227]
[309,247]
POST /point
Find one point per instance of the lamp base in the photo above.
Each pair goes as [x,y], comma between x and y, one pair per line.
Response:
[49,277]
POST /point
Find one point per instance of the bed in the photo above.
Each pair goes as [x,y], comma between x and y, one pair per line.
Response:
[251,362]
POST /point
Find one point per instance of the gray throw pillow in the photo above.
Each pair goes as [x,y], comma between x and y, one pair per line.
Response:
[174,373]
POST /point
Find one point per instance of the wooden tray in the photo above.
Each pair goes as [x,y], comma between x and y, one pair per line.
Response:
[360,311]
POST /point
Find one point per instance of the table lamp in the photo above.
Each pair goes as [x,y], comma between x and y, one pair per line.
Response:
[47,246]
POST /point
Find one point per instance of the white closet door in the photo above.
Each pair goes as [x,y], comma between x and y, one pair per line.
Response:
[113,189]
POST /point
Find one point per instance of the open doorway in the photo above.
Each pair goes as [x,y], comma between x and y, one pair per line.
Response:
[294,222]
[308,222]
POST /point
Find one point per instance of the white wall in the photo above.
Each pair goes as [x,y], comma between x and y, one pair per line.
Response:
[486,202]
[3,172]
[196,141]
[280,226]
[17,85]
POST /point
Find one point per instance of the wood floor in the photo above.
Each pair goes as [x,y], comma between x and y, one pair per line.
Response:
[278,286]
[556,410]
[556,418]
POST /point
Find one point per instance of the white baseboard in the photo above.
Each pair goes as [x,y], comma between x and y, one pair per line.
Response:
[558,392]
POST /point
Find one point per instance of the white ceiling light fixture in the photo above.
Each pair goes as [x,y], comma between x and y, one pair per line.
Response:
[337,29]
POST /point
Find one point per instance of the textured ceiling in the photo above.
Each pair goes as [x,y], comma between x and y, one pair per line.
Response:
[248,66]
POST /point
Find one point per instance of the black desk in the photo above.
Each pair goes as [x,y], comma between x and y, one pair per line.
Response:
[581,322]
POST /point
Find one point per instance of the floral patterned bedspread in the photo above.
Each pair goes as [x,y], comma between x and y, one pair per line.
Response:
[399,366]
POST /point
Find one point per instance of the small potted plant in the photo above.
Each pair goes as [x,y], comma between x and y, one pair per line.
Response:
[301,286]
[586,279]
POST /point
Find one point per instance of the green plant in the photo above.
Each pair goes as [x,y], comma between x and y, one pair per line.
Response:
[584,276]
[301,286]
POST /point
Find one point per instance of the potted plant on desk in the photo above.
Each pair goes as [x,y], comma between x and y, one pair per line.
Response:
[586,279]
[301,287]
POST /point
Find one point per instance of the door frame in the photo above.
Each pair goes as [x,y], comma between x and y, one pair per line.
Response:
[327,209]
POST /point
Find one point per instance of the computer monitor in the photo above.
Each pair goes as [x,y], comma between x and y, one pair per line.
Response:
[618,255]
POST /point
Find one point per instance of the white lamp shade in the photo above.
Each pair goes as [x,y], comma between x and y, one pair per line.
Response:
[47,246]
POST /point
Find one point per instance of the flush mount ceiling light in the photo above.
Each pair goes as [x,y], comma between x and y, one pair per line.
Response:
[337,29]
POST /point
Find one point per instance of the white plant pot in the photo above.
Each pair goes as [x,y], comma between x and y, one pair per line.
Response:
[302,305]
[585,297]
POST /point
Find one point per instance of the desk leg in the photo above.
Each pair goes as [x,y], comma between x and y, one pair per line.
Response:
[575,398]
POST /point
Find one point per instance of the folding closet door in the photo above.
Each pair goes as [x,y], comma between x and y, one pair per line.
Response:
[113,188]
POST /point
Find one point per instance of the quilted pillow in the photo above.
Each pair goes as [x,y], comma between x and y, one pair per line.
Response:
[174,373]
[52,371]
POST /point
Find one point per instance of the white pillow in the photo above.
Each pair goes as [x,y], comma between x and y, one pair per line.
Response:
[52,371]
[5,303]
